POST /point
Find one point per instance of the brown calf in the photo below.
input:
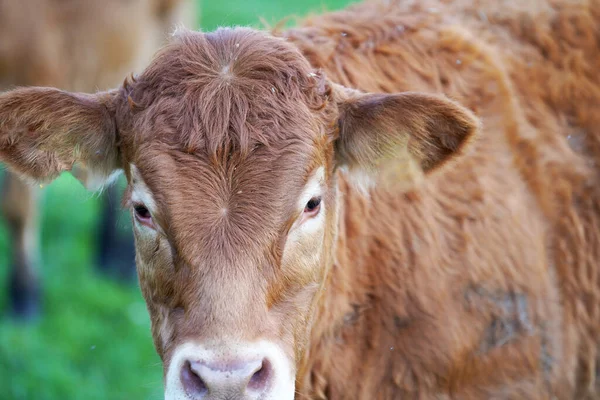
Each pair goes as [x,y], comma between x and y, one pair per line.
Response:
[77,45]
[297,237]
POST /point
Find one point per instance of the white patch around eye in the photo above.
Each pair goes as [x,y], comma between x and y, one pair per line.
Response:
[140,193]
[306,235]
[312,189]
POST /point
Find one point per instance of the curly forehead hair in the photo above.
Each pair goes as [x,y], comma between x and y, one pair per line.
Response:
[232,88]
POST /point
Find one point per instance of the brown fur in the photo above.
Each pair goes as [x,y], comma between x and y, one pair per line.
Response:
[82,45]
[479,279]
[520,214]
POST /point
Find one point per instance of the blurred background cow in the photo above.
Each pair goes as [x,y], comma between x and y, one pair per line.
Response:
[78,45]
[91,339]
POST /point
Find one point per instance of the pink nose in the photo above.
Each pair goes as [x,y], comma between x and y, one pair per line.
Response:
[203,380]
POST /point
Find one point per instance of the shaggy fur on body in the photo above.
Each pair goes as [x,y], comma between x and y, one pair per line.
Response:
[485,282]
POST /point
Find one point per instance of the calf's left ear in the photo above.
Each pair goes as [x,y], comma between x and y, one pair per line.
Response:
[413,132]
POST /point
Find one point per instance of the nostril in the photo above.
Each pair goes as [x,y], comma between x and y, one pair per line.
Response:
[261,377]
[193,384]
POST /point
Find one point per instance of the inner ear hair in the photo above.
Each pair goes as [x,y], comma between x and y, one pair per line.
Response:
[45,131]
[415,131]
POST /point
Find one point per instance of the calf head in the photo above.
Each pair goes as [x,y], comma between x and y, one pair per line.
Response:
[231,144]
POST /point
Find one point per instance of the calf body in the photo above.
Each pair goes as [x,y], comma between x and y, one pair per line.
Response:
[484,282]
[314,218]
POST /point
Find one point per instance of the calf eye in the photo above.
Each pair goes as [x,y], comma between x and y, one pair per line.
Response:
[142,215]
[313,206]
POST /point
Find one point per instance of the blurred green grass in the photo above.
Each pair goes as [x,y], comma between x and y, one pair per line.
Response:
[93,341]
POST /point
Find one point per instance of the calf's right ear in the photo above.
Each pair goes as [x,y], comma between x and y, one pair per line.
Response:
[45,131]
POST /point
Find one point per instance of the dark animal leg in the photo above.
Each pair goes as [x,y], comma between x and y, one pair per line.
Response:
[20,208]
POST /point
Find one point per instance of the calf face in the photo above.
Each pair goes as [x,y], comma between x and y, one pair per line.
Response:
[231,144]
